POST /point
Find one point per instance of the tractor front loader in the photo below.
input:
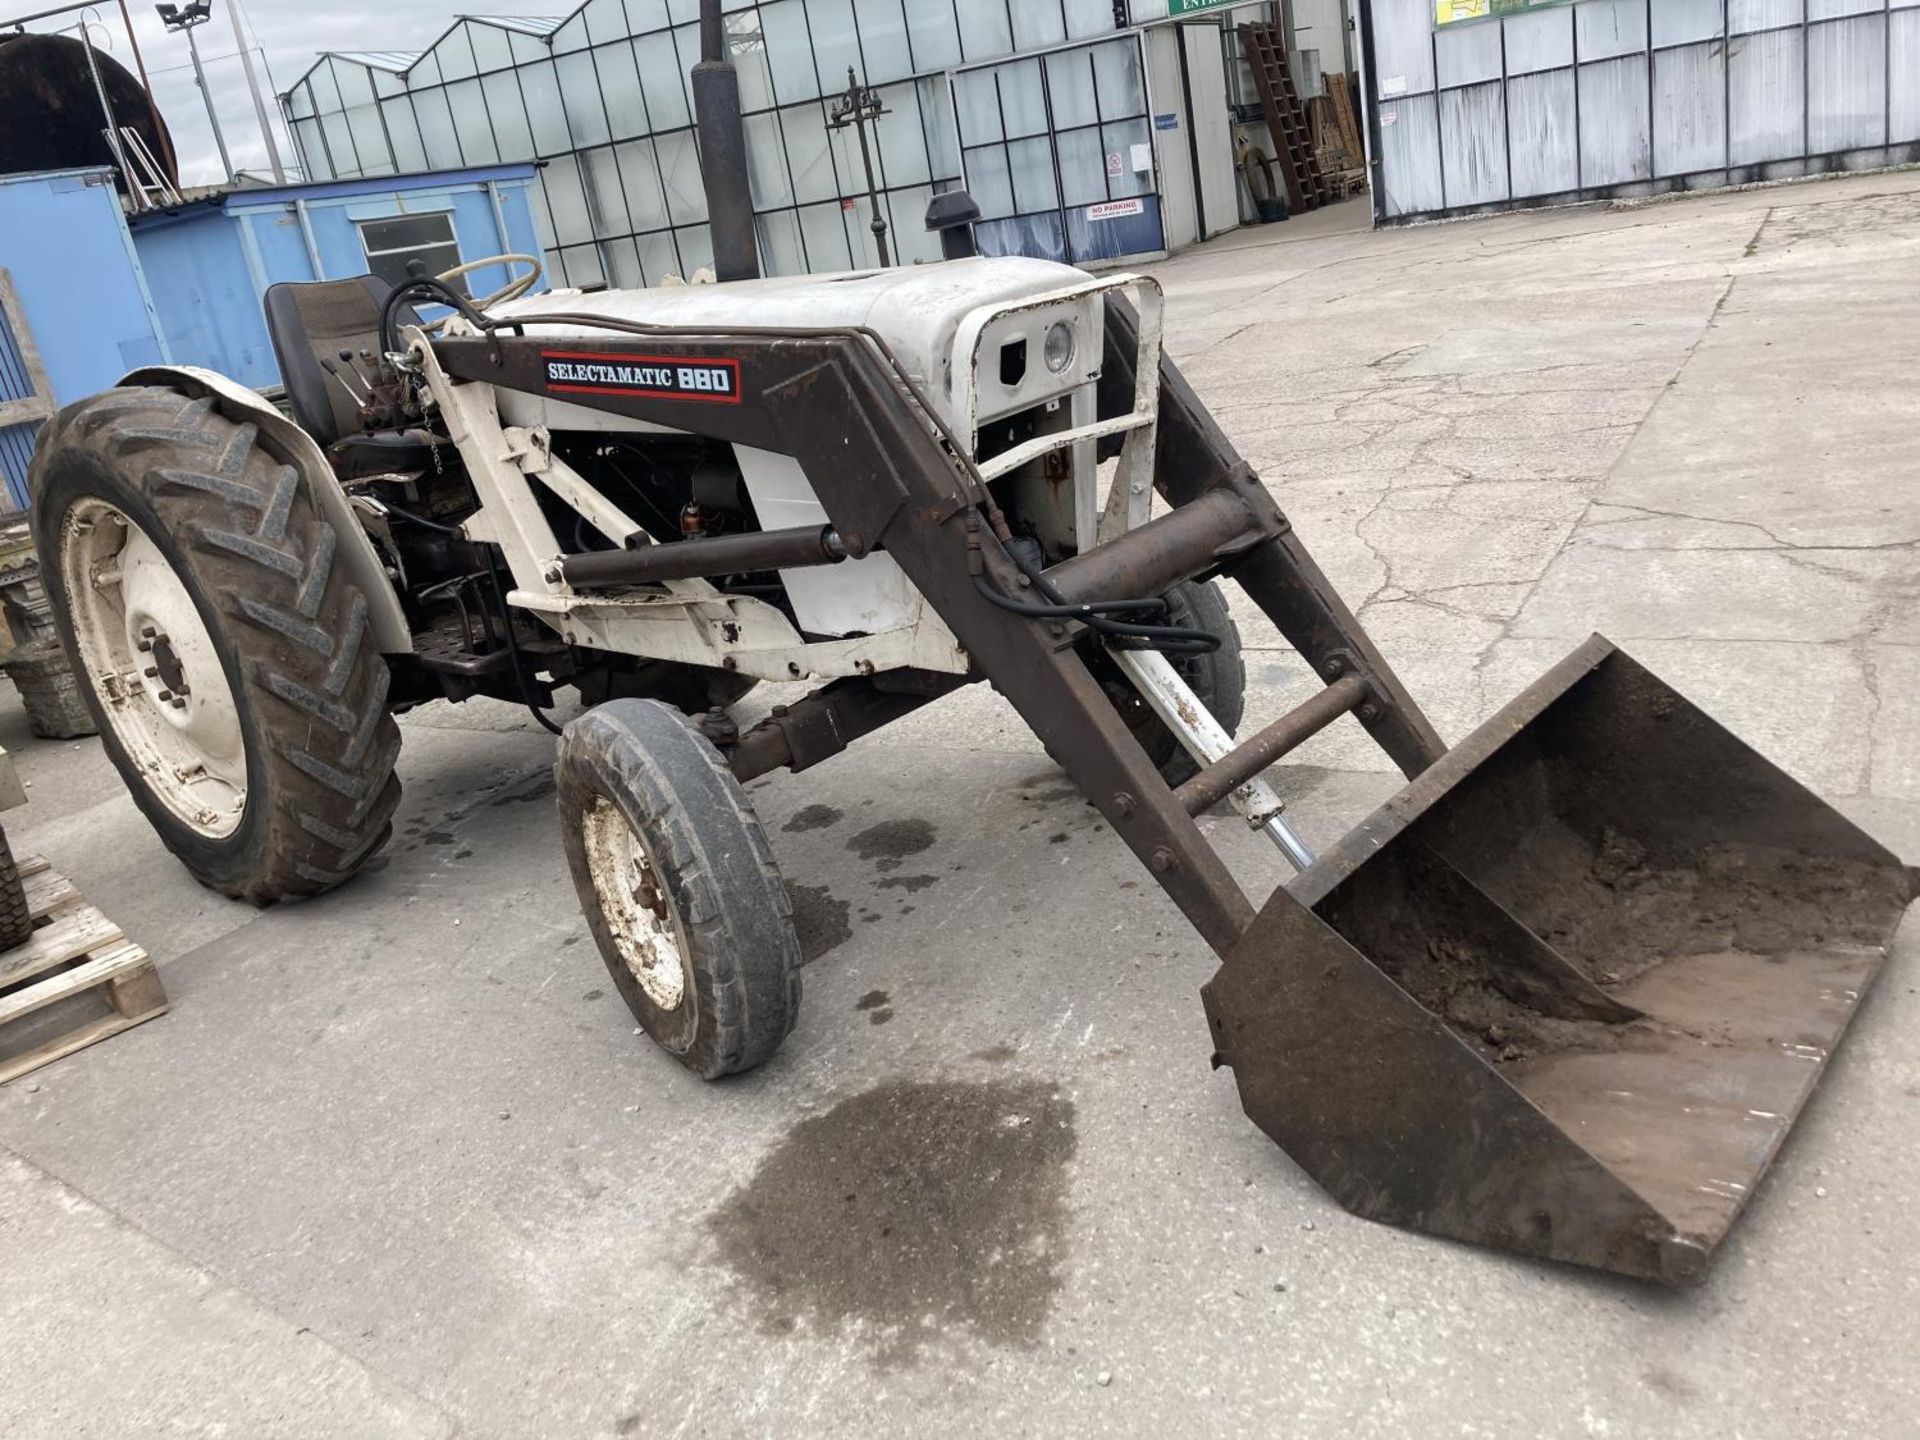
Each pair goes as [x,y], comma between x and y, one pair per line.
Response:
[1565,994]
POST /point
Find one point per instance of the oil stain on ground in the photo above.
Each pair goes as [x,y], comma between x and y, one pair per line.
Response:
[536,787]
[812,817]
[819,919]
[892,841]
[908,1211]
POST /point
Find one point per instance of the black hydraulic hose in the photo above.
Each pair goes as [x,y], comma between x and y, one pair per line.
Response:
[427,288]
[513,645]
[1128,634]
[1064,610]
[500,605]
[1169,639]
[424,523]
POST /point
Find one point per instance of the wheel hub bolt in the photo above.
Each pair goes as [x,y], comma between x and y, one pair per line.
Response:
[173,674]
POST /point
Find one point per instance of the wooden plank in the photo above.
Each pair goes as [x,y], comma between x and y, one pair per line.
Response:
[74,1040]
[1342,99]
[72,930]
[111,964]
[47,892]
[66,937]
[19,412]
[23,341]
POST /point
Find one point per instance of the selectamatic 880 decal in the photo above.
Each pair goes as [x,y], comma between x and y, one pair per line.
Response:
[657,377]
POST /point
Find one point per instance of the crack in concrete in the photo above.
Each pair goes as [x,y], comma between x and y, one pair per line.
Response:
[1506,630]
[1788,549]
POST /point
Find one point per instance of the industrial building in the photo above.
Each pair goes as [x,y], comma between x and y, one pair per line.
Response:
[1086,129]
[1547,102]
[1091,130]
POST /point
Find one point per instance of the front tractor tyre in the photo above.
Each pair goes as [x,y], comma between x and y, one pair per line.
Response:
[226,657]
[679,886]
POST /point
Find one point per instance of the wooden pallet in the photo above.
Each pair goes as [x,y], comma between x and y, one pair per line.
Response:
[74,948]
[1341,99]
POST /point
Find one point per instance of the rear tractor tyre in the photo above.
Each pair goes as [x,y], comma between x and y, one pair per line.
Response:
[16,916]
[679,886]
[225,656]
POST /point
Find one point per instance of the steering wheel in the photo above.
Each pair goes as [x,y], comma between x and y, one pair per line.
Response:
[512,290]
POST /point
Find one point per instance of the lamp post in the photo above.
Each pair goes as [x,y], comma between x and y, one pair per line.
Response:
[186,17]
[856,108]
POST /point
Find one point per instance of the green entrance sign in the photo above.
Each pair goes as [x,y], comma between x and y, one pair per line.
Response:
[1177,8]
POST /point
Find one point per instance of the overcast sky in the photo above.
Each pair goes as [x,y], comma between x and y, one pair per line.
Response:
[291,32]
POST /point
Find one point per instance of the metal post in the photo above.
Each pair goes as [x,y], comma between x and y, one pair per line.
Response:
[135,191]
[213,118]
[163,143]
[855,108]
[253,88]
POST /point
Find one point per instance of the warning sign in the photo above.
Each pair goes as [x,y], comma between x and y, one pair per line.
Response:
[1116,210]
[1454,12]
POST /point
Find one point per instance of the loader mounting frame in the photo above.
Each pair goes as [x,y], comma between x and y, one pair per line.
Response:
[891,476]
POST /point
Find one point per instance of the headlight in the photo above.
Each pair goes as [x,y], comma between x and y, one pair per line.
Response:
[1060,347]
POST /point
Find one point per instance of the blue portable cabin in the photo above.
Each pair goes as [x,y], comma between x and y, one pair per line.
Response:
[87,293]
[75,310]
[210,261]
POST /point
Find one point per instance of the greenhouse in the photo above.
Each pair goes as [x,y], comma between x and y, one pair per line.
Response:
[1068,120]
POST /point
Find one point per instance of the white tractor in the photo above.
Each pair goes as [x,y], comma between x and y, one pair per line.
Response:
[890,484]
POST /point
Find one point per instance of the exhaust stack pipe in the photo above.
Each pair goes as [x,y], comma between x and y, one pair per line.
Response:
[723,152]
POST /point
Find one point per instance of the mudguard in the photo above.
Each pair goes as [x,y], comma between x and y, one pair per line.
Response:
[236,401]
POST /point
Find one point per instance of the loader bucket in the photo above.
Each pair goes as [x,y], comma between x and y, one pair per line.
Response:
[1567,992]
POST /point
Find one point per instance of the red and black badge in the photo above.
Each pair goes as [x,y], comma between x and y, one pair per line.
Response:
[653,377]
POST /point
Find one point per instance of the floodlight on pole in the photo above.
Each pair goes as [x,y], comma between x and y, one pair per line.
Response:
[186,17]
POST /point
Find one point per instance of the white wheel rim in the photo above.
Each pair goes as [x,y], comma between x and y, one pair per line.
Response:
[147,655]
[639,913]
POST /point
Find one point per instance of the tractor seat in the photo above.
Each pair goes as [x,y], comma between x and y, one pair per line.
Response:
[317,320]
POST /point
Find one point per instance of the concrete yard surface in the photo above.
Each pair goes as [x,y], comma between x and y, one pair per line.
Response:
[398,1162]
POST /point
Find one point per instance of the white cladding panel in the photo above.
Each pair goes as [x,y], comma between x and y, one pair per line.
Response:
[870,596]
[1635,96]
[1542,134]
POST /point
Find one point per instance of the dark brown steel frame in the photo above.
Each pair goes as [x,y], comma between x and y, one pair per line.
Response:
[890,474]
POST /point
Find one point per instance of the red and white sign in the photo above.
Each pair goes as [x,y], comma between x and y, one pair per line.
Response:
[1116,210]
[1116,167]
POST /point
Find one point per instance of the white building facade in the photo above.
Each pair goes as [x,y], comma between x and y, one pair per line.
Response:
[1491,104]
[1087,130]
